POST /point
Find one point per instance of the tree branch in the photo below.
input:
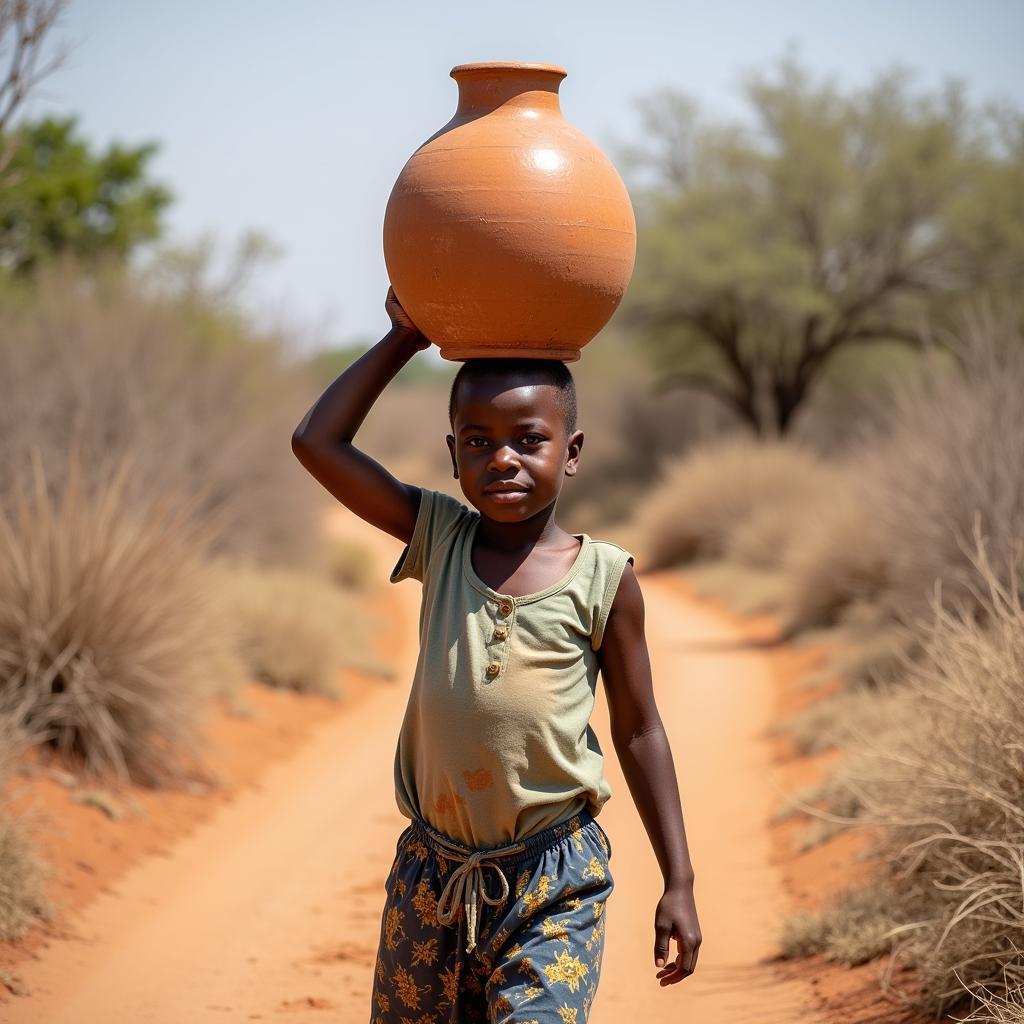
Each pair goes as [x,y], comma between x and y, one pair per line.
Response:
[886,331]
[30,21]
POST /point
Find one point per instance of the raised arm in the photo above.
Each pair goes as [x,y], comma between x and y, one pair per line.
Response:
[322,442]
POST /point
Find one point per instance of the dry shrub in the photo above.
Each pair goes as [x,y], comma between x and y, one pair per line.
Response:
[631,430]
[350,564]
[944,784]
[875,657]
[837,557]
[419,454]
[23,874]
[850,928]
[103,366]
[1003,1007]
[294,629]
[107,638]
[760,540]
[23,877]
[715,494]
[842,716]
[937,450]
[747,591]
[946,448]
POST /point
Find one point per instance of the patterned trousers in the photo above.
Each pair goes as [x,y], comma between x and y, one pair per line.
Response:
[510,935]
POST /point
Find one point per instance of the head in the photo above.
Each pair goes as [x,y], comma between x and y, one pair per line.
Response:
[513,420]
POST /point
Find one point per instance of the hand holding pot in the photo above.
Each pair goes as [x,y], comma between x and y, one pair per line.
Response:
[399,318]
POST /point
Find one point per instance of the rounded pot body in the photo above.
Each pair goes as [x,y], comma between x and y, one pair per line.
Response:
[508,232]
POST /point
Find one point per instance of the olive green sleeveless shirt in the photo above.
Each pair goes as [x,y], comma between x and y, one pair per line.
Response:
[496,742]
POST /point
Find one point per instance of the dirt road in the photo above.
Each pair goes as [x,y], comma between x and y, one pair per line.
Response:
[271,910]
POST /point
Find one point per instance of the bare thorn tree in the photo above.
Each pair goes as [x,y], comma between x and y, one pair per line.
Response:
[24,25]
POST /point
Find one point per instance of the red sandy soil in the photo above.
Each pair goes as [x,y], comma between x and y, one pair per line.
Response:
[263,898]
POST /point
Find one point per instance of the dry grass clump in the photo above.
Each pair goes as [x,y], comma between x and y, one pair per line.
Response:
[747,591]
[839,556]
[350,565]
[852,927]
[734,490]
[944,784]
[101,365]
[844,715]
[108,642]
[23,875]
[864,648]
[1003,1007]
[632,429]
[294,629]
[947,448]
[938,450]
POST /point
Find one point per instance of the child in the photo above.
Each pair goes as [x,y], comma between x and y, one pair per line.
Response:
[495,906]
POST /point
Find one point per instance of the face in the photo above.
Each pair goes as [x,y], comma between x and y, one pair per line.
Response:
[508,432]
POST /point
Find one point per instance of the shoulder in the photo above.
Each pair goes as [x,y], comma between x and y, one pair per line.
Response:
[625,614]
[608,549]
[609,560]
[629,598]
[610,568]
[442,509]
[438,521]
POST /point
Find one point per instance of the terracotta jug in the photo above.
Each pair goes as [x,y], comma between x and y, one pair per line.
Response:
[508,232]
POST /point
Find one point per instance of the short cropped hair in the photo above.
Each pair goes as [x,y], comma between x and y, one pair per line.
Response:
[534,371]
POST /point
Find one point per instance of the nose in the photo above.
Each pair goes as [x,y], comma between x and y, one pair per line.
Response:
[504,455]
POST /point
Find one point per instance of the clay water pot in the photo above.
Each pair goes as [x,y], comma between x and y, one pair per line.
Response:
[508,232]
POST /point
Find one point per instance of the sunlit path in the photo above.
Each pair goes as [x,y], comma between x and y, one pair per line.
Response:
[274,904]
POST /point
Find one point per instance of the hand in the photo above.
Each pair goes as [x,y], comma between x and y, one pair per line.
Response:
[399,318]
[676,916]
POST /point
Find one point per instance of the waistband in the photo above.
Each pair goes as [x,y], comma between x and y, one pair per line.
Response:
[467,880]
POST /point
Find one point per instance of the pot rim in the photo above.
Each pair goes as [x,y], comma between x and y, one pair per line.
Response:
[505,65]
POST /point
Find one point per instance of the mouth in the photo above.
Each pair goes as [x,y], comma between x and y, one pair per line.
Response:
[505,489]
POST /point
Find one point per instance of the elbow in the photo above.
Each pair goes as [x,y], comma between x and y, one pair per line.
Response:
[304,441]
[300,444]
[635,732]
[305,447]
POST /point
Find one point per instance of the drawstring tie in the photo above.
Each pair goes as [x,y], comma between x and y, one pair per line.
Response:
[470,874]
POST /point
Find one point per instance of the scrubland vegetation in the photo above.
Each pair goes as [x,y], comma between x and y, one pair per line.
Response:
[159,544]
[909,549]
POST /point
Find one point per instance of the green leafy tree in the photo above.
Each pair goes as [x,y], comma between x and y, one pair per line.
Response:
[60,196]
[833,221]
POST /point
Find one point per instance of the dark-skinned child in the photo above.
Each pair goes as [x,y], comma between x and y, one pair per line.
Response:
[496,898]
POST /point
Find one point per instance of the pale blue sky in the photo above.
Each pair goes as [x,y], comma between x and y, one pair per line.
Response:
[297,118]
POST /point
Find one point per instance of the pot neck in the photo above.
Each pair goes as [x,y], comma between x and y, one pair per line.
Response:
[487,85]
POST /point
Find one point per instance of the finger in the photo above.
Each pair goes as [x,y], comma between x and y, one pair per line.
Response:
[680,965]
[667,966]
[672,973]
[692,943]
[676,970]
[690,959]
[661,938]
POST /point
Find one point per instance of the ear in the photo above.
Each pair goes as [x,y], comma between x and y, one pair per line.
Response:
[450,439]
[574,446]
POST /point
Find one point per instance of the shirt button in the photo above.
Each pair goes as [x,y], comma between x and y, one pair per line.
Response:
[493,669]
[499,633]
[506,607]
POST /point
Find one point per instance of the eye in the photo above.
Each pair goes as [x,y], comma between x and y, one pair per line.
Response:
[470,440]
[537,439]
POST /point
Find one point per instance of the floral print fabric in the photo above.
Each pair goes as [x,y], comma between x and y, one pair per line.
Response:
[538,954]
